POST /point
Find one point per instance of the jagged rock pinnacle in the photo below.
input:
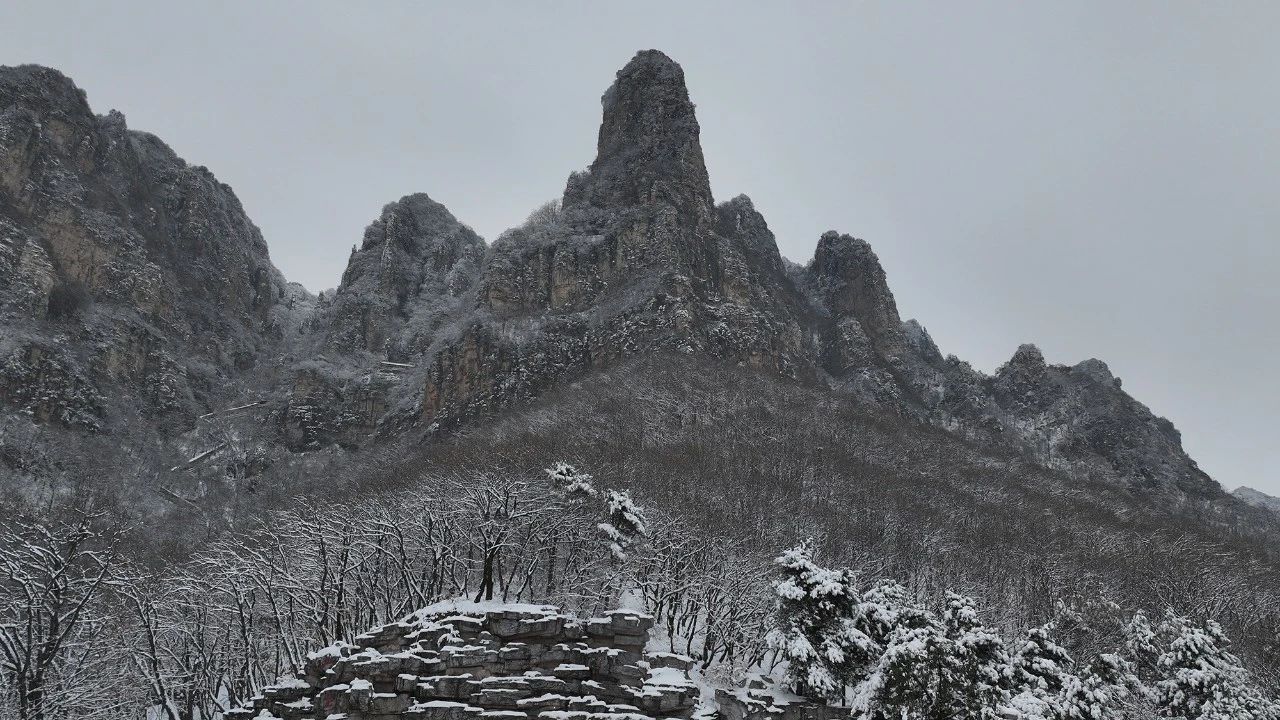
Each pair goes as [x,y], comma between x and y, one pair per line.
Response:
[1027,356]
[648,150]
[852,283]
[415,253]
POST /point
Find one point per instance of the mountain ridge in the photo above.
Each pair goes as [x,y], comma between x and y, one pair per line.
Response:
[431,328]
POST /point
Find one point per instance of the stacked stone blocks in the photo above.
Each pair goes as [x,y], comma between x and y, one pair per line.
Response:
[487,661]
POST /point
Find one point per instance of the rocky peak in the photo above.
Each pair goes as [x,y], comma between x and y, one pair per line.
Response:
[42,92]
[1027,358]
[1257,498]
[846,275]
[44,121]
[1096,370]
[417,225]
[413,260]
[739,219]
[919,340]
[640,218]
[1025,378]
[648,150]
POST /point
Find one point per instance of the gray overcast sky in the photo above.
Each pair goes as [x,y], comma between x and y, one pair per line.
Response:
[1098,178]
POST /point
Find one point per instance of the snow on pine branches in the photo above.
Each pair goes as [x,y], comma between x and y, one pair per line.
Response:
[885,656]
[570,480]
[625,524]
[624,521]
[1200,678]
[816,629]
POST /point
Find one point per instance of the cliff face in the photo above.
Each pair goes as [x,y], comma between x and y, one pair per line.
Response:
[131,283]
[129,274]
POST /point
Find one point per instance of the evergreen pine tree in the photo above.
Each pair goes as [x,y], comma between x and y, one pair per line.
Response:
[624,524]
[815,630]
[571,481]
[1142,646]
[976,673]
[904,681]
[1098,692]
[1040,664]
[1201,680]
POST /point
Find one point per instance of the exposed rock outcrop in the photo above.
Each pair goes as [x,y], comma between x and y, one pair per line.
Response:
[407,277]
[847,277]
[488,661]
[649,153]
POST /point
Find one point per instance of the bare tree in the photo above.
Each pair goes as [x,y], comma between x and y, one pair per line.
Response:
[52,646]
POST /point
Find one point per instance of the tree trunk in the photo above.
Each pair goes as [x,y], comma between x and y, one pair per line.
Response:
[485,591]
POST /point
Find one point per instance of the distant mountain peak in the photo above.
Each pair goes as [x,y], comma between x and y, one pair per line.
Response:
[648,149]
[1257,498]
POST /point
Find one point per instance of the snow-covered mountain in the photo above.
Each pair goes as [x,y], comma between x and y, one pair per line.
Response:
[138,298]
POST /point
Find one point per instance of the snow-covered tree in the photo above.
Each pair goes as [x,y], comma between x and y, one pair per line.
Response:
[904,684]
[1098,692]
[976,671]
[949,667]
[1202,680]
[885,606]
[1040,664]
[625,523]
[1142,645]
[56,658]
[570,480]
[815,630]
[625,515]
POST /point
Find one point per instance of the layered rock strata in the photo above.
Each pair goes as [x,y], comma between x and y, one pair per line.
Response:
[488,661]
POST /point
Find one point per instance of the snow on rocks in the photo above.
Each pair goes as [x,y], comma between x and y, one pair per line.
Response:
[461,660]
[767,702]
